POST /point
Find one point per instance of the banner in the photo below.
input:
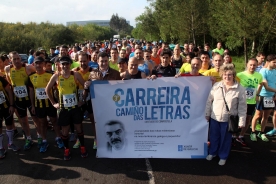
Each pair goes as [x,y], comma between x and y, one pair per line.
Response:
[162,118]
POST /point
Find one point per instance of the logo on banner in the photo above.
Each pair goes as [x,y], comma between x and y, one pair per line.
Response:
[186,148]
[180,148]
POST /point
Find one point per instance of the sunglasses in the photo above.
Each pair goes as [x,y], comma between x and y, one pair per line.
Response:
[65,64]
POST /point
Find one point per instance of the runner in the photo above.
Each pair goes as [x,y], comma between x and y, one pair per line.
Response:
[17,74]
[195,68]
[69,104]
[164,69]
[265,98]
[114,58]
[41,106]
[6,113]
[132,71]
[84,70]
[250,80]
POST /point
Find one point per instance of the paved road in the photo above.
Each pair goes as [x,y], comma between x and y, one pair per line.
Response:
[252,164]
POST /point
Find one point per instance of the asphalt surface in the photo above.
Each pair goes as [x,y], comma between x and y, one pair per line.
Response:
[253,164]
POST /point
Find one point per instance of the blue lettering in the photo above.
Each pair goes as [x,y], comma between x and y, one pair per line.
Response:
[185,111]
[178,112]
[129,97]
[123,112]
[146,114]
[168,95]
[160,95]
[151,96]
[153,112]
[161,111]
[117,112]
[186,95]
[174,96]
[119,90]
[169,111]
[129,111]
[140,96]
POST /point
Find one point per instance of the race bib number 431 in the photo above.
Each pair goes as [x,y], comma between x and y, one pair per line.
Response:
[70,100]
[40,93]
[20,91]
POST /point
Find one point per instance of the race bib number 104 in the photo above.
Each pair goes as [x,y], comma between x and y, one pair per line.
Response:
[20,91]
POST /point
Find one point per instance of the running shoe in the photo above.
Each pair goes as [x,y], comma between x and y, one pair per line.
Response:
[222,162]
[39,143]
[15,133]
[72,137]
[77,144]
[210,157]
[13,147]
[28,144]
[258,127]
[253,137]
[95,144]
[241,141]
[263,137]
[67,154]
[271,132]
[43,147]
[84,153]
[2,153]
[24,135]
[59,143]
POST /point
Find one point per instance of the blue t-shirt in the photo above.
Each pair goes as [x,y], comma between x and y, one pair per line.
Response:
[131,55]
[258,68]
[144,68]
[270,77]
[93,65]
[30,59]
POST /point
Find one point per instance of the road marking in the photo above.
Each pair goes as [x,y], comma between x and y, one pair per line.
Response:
[150,172]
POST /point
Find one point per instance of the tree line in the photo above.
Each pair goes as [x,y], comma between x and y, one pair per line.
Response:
[246,25]
[23,37]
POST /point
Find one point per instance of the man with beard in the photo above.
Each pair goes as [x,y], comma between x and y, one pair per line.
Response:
[132,71]
[115,135]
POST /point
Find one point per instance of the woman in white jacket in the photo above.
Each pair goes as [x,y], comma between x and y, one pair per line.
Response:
[217,115]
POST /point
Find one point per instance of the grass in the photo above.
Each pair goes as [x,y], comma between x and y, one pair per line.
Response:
[239,63]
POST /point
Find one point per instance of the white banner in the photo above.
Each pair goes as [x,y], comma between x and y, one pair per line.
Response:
[162,118]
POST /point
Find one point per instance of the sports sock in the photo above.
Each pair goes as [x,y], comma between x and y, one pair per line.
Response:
[81,138]
[72,127]
[29,137]
[65,141]
[10,135]
[1,141]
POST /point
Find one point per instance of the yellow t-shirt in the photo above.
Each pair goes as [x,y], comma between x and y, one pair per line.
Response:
[113,66]
[185,68]
[67,88]
[212,72]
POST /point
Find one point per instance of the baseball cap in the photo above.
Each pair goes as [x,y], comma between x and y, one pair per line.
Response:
[121,60]
[38,59]
[65,59]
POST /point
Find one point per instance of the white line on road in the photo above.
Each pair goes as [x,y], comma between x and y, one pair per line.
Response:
[150,172]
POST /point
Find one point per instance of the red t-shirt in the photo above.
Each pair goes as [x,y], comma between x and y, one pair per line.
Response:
[190,75]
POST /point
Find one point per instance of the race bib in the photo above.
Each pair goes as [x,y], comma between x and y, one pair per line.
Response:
[41,93]
[2,97]
[80,94]
[20,91]
[268,102]
[69,100]
[250,93]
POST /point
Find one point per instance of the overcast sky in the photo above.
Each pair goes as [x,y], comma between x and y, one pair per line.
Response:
[62,11]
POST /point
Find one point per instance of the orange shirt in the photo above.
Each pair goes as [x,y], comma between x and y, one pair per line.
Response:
[155,59]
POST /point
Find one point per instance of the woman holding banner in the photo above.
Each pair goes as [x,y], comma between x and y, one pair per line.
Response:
[217,115]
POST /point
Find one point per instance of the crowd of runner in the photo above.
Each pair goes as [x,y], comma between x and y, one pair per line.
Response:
[54,86]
